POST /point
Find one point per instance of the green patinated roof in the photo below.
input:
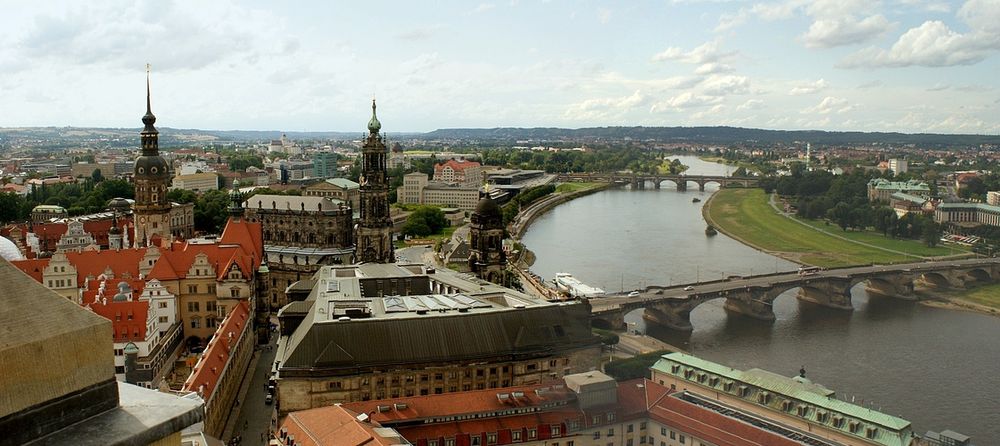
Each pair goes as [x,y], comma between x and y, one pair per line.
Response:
[893,431]
[883,184]
[343,183]
[969,206]
[909,197]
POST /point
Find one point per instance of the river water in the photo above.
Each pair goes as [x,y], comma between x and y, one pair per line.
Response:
[938,368]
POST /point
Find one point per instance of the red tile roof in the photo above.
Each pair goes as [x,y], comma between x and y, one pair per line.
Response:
[33,267]
[213,361]
[637,399]
[333,425]
[456,165]
[128,318]
[474,401]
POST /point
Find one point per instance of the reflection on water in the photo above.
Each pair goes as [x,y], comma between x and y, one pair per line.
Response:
[934,367]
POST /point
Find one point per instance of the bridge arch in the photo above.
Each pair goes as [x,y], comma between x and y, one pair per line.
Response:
[935,280]
[980,275]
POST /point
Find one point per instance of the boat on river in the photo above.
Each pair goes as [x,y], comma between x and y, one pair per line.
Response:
[710,231]
[575,288]
[695,200]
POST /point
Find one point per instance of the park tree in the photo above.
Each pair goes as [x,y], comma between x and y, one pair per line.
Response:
[930,233]
[97,176]
[424,221]
[10,207]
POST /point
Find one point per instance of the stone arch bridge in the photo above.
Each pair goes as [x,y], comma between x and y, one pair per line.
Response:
[753,295]
[639,181]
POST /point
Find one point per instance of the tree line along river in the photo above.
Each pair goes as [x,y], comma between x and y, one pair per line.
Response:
[934,367]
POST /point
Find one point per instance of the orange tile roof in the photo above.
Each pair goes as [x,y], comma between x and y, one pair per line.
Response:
[213,361]
[128,318]
[33,267]
[474,401]
[332,425]
[712,426]
[94,263]
[456,165]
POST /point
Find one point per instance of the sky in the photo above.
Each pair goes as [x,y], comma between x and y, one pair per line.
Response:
[867,65]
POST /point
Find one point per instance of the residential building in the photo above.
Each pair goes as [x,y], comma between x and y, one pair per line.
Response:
[219,372]
[59,379]
[75,238]
[146,332]
[795,402]
[904,203]
[374,331]
[416,189]
[196,182]
[325,164]
[337,188]
[993,198]
[898,166]
[461,171]
[332,426]
[967,214]
[881,189]
[586,409]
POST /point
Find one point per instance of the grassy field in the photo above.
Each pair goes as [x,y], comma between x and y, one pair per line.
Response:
[573,187]
[915,247]
[746,215]
[988,295]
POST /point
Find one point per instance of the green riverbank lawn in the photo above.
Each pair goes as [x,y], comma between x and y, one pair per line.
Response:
[745,214]
[573,187]
[988,295]
[914,247]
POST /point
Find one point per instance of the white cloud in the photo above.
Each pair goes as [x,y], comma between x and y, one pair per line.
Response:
[809,88]
[684,100]
[604,108]
[751,104]
[829,105]
[939,87]
[725,85]
[604,15]
[712,68]
[828,33]
[707,52]
[931,44]
[934,44]
[483,7]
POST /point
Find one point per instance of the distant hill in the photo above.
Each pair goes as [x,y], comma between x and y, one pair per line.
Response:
[711,135]
[125,137]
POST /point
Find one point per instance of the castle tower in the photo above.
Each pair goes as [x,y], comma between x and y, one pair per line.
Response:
[486,258]
[375,227]
[116,240]
[152,177]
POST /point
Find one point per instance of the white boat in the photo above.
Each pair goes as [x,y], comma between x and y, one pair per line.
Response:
[575,288]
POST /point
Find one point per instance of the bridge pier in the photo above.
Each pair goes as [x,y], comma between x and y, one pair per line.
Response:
[901,287]
[750,306]
[610,320]
[673,318]
[656,183]
[701,186]
[838,301]
[682,186]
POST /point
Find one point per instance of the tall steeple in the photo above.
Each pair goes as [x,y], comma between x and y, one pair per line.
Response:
[150,136]
[486,257]
[152,178]
[374,233]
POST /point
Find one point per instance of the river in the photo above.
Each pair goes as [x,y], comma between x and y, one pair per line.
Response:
[937,368]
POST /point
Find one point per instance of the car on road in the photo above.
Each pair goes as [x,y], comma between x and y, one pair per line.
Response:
[688,288]
[268,399]
[633,294]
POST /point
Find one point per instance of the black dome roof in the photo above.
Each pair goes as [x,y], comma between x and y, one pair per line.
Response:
[151,167]
[487,207]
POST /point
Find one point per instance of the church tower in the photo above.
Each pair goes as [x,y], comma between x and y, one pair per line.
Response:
[152,176]
[375,227]
[486,257]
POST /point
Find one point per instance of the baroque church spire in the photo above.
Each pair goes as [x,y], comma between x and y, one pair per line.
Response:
[150,138]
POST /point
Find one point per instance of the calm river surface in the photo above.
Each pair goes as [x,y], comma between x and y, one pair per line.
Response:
[938,368]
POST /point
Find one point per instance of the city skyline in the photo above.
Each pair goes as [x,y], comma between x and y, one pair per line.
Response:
[907,65]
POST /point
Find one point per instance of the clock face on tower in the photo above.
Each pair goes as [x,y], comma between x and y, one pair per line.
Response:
[142,219]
